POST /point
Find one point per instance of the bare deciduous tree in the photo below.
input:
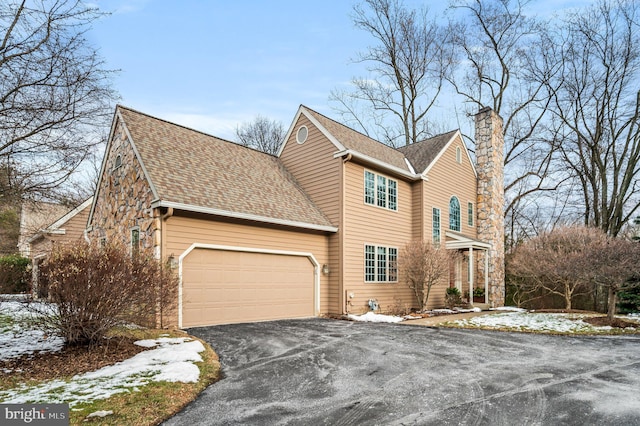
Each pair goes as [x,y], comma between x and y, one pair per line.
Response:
[423,265]
[262,134]
[55,94]
[615,262]
[407,69]
[597,107]
[505,62]
[556,262]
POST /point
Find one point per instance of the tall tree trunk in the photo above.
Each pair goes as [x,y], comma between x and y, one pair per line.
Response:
[567,297]
[613,294]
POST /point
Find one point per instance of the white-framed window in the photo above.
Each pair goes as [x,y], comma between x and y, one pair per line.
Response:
[380,264]
[458,155]
[470,213]
[302,134]
[435,225]
[135,241]
[380,191]
[454,214]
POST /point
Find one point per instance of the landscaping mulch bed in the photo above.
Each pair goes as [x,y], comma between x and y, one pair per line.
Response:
[617,322]
[69,361]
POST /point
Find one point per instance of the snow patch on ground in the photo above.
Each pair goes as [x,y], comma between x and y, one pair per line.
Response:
[524,321]
[373,317]
[171,361]
[101,413]
[17,339]
[508,309]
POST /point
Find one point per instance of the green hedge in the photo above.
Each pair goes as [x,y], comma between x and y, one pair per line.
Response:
[14,274]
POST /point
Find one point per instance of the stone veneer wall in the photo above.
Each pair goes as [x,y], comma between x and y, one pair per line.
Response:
[124,198]
[490,168]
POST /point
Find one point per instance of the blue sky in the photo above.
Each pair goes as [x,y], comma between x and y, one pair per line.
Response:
[213,64]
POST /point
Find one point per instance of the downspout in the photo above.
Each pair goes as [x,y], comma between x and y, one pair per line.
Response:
[163,219]
[345,302]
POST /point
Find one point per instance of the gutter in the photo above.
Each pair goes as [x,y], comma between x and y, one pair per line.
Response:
[244,216]
[381,164]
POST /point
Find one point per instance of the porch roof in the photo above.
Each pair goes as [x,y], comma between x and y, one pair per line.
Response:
[455,240]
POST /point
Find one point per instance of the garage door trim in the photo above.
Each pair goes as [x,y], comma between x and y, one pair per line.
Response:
[310,256]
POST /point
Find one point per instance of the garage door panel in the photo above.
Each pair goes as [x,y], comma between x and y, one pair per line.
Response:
[224,286]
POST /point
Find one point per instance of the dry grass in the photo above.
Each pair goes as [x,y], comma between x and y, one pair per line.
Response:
[150,405]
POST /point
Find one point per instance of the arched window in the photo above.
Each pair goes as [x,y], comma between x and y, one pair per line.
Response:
[454,214]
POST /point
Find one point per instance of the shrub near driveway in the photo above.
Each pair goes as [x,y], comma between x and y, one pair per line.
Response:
[141,389]
[93,289]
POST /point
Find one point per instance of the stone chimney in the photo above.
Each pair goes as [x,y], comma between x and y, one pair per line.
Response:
[490,204]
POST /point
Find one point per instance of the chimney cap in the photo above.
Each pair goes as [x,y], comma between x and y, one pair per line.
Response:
[483,110]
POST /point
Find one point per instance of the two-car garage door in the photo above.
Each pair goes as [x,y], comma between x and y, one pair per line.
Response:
[222,286]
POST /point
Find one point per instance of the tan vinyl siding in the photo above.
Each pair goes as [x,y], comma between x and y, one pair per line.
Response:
[74,231]
[182,232]
[74,228]
[371,225]
[448,178]
[418,230]
[319,174]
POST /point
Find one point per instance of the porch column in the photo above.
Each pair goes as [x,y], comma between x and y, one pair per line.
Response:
[486,276]
[472,271]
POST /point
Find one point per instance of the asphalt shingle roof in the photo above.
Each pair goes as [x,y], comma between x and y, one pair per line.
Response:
[196,169]
[361,143]
[422,154]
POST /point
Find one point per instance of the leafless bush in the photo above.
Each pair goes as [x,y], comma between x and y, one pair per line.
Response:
[398,307]
[615,262]
[573,261]
[93,289]
[556,262]
[423,265]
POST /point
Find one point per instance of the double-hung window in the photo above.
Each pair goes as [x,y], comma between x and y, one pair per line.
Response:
[380,264]
[470,214]
[435,220]
[380,191]
[454,214]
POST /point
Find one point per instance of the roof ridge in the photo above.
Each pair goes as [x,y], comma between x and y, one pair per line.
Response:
[350,128]
[433,137]
[189,128]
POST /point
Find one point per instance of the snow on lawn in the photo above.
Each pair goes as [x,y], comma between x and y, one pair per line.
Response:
[17,339]
[168,359]
[171,361]
[508,309]
[525,321]
[373,317]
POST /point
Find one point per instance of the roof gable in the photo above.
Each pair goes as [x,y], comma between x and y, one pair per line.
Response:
[56,227]
[203,173]
[411,161]
[424,154]
[352,140]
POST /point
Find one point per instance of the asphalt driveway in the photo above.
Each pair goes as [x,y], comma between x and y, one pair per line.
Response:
[330,372]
